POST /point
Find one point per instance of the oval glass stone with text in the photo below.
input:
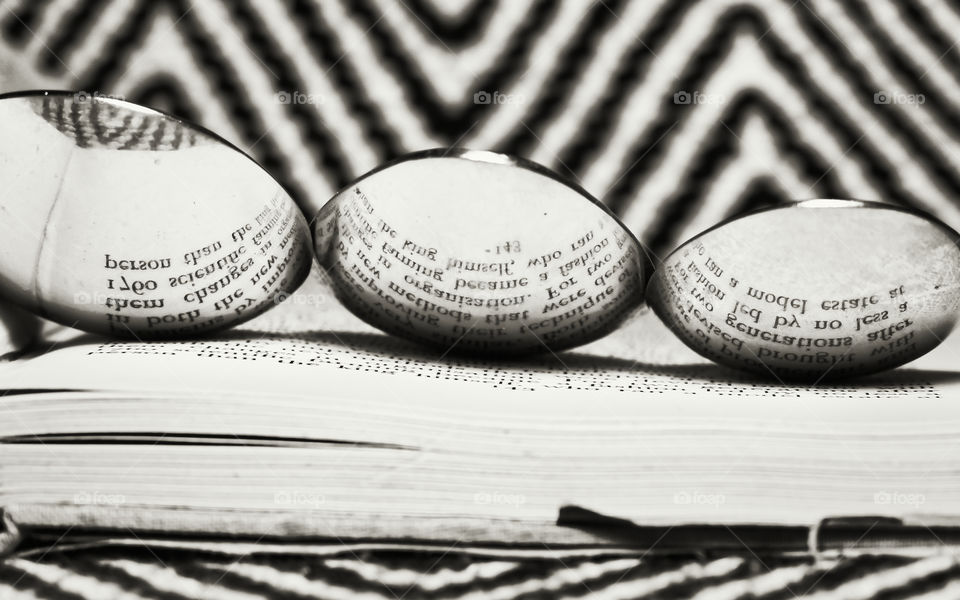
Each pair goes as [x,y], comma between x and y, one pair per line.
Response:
[477,252]
[122,220]
[813,290]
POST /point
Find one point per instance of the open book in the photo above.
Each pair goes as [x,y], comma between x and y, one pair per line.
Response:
[309,424]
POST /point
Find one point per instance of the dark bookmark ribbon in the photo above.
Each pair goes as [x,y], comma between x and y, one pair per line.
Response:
[830,534]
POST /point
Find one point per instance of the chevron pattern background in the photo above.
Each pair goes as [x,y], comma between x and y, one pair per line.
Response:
[156,573]
[676,113]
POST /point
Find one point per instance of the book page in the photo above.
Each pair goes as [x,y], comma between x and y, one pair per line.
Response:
[311,332]
[634,425]
[311,336]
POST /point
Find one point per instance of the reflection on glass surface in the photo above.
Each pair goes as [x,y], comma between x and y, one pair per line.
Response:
[479,252]
[813,290]
[122,220]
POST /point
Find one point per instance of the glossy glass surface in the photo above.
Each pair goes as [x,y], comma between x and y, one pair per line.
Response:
[479,252]
[122,220]
[813,290]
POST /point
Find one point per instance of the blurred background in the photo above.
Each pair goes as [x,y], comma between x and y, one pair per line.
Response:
[675,113]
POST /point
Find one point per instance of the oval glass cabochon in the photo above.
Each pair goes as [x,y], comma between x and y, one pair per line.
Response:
[122,220]
[813,290]
[478,252]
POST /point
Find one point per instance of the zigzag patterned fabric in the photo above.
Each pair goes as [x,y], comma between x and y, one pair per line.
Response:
[675,113]
[405,576]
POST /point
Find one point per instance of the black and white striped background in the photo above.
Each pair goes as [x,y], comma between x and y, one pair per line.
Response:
[785,98]
[409,575]
[676,113]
